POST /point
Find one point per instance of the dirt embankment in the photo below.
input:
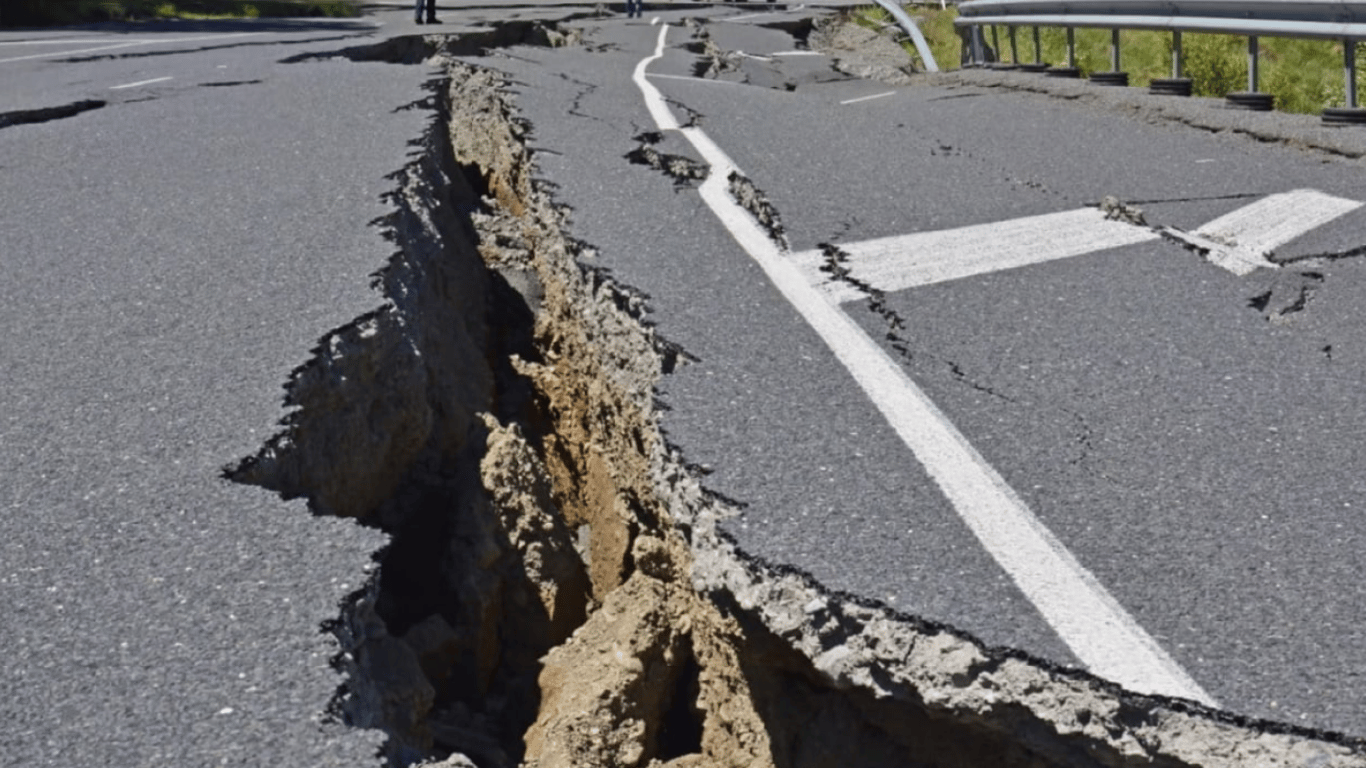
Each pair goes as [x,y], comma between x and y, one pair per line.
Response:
[556,592]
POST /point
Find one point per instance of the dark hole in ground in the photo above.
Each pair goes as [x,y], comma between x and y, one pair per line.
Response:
[680,731]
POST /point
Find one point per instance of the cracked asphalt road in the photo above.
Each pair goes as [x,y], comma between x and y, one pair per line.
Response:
[172,255]
[1196,453]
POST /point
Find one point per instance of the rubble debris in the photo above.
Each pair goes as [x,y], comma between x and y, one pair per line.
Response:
[753,199]
[684,171]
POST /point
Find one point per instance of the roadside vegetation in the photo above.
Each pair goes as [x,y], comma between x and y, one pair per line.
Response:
[43,13]
[1304,75]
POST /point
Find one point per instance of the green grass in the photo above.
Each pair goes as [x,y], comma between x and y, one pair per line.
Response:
[40,13]
[936,25]
[1304,75]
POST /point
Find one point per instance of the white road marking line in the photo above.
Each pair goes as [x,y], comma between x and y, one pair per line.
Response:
[747,17]
[799,53]
[869,98]
[54,42]
[1242,240]
[706,80]
[54,54]
[141,82]
[923,258]
[1097,629]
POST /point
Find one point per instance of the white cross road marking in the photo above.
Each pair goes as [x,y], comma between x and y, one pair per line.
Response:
[1095,626]
[1239,242]
[1242,240]
[922,258]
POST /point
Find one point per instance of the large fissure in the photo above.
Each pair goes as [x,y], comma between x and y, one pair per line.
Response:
[557,590]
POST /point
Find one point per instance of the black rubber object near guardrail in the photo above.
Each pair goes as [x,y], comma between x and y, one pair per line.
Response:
[1343,20]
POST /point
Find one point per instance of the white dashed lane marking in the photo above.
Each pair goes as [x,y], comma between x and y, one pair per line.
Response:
[869,98]
[141,83]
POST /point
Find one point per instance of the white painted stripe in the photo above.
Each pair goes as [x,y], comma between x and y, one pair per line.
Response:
[654,101]
[1097,629]
[869,98]
[55,54]
[141,82]
[922,258]
[799,53]
[56,42]
[705,80]
[748,16]
[1242,241]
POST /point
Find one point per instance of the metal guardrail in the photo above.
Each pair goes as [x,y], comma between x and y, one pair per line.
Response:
[1343,20]
[909,26]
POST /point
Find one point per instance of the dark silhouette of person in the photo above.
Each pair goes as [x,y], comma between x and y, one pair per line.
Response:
[431,12]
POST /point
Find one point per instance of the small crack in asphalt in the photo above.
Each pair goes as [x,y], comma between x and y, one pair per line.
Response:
[753,199]
[836,265]
[694,117]
[684,171]
[585,90]
[229,83]
[181,52]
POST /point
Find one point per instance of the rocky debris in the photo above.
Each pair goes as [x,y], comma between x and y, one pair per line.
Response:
[557,592]
[1117,210]
[683,170]
[753,199]
[862,52]
[714,61]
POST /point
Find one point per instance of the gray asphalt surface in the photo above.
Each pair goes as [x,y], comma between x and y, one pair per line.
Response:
[167,261]
[170,257]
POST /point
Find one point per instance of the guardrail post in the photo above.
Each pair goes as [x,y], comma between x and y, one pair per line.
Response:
[976,53]
[1070,68]
[1176,54]
[1176,85]
[1037,65]
[1014,52]
[1251,98]
[996,43]
[1349,69]
[1114,76]
[1350,114]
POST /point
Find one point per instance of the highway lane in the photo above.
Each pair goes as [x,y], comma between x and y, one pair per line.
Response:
[106,410]
[1198,454]
[168,260]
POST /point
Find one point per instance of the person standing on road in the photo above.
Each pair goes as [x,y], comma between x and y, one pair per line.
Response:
[431,12]
[634,8]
